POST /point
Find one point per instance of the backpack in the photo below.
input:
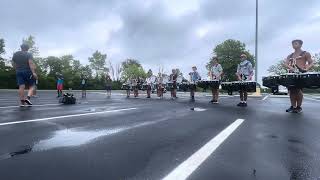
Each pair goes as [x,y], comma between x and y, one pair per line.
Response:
[67,99]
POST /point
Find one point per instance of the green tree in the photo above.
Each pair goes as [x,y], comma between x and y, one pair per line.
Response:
[229,53]
[2,51]
[317,62]
[129,62]
[278,68]
[98,63]
[132,69]
[30,40]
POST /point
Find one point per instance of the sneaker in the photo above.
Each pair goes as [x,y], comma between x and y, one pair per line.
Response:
[22,103]
[297,110]
[244,104]
[28,102]
[211,101]
[240,104]
[290,109]
[215,102]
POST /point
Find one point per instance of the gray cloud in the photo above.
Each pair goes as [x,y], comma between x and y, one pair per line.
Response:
[168,33]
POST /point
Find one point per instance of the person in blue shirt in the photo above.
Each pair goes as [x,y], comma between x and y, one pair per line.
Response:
[25,72]
[59,85]
[194,77]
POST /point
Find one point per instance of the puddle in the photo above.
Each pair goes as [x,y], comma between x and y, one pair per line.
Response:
[75,137]
[198,109]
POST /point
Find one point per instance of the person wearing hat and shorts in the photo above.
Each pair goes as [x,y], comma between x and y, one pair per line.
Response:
[216,72]
[244,73]
[25,72]
[194,77]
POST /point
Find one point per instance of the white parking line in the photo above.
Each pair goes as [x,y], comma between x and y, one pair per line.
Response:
[193,162]
[40,105]
[312,99]
[266,97]
[66,116]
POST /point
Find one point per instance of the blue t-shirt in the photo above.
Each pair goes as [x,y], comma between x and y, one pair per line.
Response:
[21,60]
[60,81]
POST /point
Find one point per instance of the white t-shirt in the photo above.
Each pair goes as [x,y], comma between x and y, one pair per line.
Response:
[216,71]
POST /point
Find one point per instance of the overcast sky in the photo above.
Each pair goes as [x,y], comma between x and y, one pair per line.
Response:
[168,33]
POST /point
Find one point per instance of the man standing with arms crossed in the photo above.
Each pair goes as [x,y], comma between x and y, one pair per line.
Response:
[298,62]
[25,72]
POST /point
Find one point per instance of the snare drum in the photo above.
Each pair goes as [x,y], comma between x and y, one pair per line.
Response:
[125,87]
[248,86]
[205,84]
[291,80]
[271,81]
[170,86]
[311,80]
[145,87]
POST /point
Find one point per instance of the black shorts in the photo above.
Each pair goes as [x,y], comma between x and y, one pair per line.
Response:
[108,88]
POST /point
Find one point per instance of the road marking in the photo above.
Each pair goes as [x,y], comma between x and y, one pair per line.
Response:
[66,116]
[311,99]
[193,162]
[266,97]
[6,107]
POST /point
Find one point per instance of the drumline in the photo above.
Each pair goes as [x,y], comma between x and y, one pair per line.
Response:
[249,86]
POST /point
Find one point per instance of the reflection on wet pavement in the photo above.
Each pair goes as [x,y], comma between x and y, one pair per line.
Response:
[74,137]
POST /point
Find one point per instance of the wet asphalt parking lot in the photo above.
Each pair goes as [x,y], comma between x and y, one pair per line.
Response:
[119,138]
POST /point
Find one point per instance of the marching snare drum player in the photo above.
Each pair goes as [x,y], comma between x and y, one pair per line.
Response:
[135,83]
[298,61]
[160,87]
[194,77]
[148,81]
[215,73]
[244,73]
[173,78]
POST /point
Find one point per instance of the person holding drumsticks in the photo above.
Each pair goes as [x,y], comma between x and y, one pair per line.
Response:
[194,77]
[244,73]
[215,73]
[173,78]
[298,62]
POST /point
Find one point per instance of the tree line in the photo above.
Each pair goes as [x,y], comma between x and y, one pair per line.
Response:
[95,72]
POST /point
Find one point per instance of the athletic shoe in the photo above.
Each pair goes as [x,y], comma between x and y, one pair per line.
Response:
[211,101]
[244,104]
[297,110]
[22,103]
[28,102]
[215,102]
[240,104]
[290,109]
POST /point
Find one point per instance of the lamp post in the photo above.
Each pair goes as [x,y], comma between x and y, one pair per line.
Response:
[256,42]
